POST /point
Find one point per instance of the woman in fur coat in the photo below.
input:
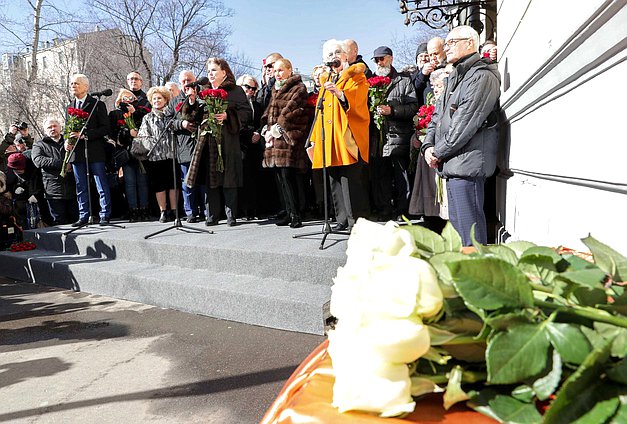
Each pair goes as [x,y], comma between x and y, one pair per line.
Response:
[286,125]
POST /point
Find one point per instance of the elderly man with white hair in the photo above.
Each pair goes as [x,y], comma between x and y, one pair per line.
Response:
[461,140]
[59,191]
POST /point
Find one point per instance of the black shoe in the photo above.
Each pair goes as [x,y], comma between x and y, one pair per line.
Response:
[163,217]
[231,223]
[280,215]
[144,214]
[104,221]
[340,227]
[171,215]
[296,222]
[133,215]
[80,222]
[192,219]
[284,221]
[211,223]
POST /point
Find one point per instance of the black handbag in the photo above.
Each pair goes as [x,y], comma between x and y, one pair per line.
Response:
[121,157]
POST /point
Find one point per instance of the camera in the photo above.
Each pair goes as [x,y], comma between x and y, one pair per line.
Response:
[123,107]
[21,125]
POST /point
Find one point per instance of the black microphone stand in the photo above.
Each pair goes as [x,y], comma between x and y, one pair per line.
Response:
[177,220]
[326,228]
[90,219]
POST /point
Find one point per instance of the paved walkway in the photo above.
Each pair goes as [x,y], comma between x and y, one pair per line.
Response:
[69,357]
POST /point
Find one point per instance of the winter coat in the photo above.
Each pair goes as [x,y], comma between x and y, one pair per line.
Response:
[185,142]
[48,157]
[399,126]
[97,130]
[238,117]
[151,142]
[8,141]
[361,60]
[463,128]
[288,109]
[339,123]
[264,94]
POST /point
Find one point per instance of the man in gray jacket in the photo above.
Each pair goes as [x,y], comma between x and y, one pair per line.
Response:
[389,152]
[462,137]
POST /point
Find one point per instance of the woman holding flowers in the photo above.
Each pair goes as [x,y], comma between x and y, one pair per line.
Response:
[123,124]
[286,123]
[155,145]
[221,132]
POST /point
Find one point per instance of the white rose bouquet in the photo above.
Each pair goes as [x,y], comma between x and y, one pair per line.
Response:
[522,333]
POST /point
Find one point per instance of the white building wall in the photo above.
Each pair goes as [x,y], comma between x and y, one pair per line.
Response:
[565,145]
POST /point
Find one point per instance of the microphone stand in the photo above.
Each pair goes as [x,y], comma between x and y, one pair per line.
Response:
[90,219]
[326,228]
[177,220]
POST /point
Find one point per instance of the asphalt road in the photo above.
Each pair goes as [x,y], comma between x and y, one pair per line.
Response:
[69,357]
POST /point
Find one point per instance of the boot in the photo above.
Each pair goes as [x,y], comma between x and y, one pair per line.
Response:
[133,215]
[284,221]
[145,215]
[295,221]
[164,216]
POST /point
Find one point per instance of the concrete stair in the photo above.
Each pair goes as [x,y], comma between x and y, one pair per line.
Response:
[256,274]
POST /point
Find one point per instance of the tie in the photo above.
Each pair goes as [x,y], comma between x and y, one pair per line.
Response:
[79,104]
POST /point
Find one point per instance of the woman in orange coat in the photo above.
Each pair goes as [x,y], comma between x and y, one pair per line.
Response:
[345,125]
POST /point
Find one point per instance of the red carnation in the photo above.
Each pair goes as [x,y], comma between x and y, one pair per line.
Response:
[121,122]
[312,100]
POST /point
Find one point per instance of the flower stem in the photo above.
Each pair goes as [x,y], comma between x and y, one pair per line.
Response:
[467,377]
[590,313]
[462,340]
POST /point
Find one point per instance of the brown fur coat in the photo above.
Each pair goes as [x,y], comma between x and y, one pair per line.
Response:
[288,108]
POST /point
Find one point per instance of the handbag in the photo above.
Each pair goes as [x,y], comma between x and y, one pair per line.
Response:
[121,157]
[138,150]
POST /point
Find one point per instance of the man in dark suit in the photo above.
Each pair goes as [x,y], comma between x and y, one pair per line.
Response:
[94,137]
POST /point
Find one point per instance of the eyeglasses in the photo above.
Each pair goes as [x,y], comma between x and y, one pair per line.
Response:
[453,41]
[269,65]
[248,87]
[134,79]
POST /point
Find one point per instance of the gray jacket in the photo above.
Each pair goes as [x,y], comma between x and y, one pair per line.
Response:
[463,128]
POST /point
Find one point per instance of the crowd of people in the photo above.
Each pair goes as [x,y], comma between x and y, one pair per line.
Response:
[245,149]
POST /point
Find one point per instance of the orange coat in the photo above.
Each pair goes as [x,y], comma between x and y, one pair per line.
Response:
[338,122]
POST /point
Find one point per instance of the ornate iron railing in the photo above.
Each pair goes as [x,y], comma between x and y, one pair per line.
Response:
[438,14]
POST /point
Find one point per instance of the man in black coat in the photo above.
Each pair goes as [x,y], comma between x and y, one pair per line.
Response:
[59,192]
[354,57]
[267,81]
[437,60]
[93,142]
[389,151]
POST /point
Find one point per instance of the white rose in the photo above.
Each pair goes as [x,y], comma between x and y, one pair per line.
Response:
[371,386]
[369,239]
[396,340]
[430,296]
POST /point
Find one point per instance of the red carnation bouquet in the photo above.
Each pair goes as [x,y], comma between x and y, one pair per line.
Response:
[377,93]
[22,246]
[423,118]
[215,103]
[75,122]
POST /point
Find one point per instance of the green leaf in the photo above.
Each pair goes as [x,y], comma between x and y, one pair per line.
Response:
[518,354]
[502,322]
[519,247]
[452,240]
[502,252]
[426,240]
[621,413]
[454,392]
[546,385]
[587,297]
[542,256]
[608,259]
[439,263]
[569,342]
[595,339]
[575,397]
[600,412]
[504,408]
[620,303]
[589,278]
[575,263]
[618,336]
[523,393]
[490,283]
[618,372]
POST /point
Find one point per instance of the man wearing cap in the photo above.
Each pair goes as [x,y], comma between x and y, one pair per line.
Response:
[389,162]
[94,136]
[59,192]
[437,60]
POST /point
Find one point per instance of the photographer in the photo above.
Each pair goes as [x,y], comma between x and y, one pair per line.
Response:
[16,140]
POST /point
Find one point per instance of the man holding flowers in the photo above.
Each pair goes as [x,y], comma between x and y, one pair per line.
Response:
[94,135]
[389,142]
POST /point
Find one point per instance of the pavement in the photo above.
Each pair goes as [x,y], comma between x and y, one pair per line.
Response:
[68,357]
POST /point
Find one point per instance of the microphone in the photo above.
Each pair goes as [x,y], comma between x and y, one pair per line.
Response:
[333,64]
[107,92]
[199,81]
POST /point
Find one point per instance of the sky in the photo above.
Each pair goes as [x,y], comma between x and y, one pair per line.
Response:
[297,29]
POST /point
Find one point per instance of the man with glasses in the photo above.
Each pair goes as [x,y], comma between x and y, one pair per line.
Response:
[135,82]
[389,162]
[462,137]
[267,80]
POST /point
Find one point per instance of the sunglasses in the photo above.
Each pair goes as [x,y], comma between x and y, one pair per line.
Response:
[379,59]
[269,65]
[249,87]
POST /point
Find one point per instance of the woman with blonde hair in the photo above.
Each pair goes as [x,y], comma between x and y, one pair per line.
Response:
[154,143]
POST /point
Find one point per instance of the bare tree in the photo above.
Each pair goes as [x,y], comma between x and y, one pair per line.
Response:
[405,47]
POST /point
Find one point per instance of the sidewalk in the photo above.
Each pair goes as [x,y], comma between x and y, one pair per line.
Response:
[68,357]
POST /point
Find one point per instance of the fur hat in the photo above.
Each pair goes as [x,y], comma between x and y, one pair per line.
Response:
[17,161]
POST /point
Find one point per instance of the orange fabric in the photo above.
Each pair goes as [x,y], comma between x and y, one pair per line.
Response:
[337,121]
[306,399]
